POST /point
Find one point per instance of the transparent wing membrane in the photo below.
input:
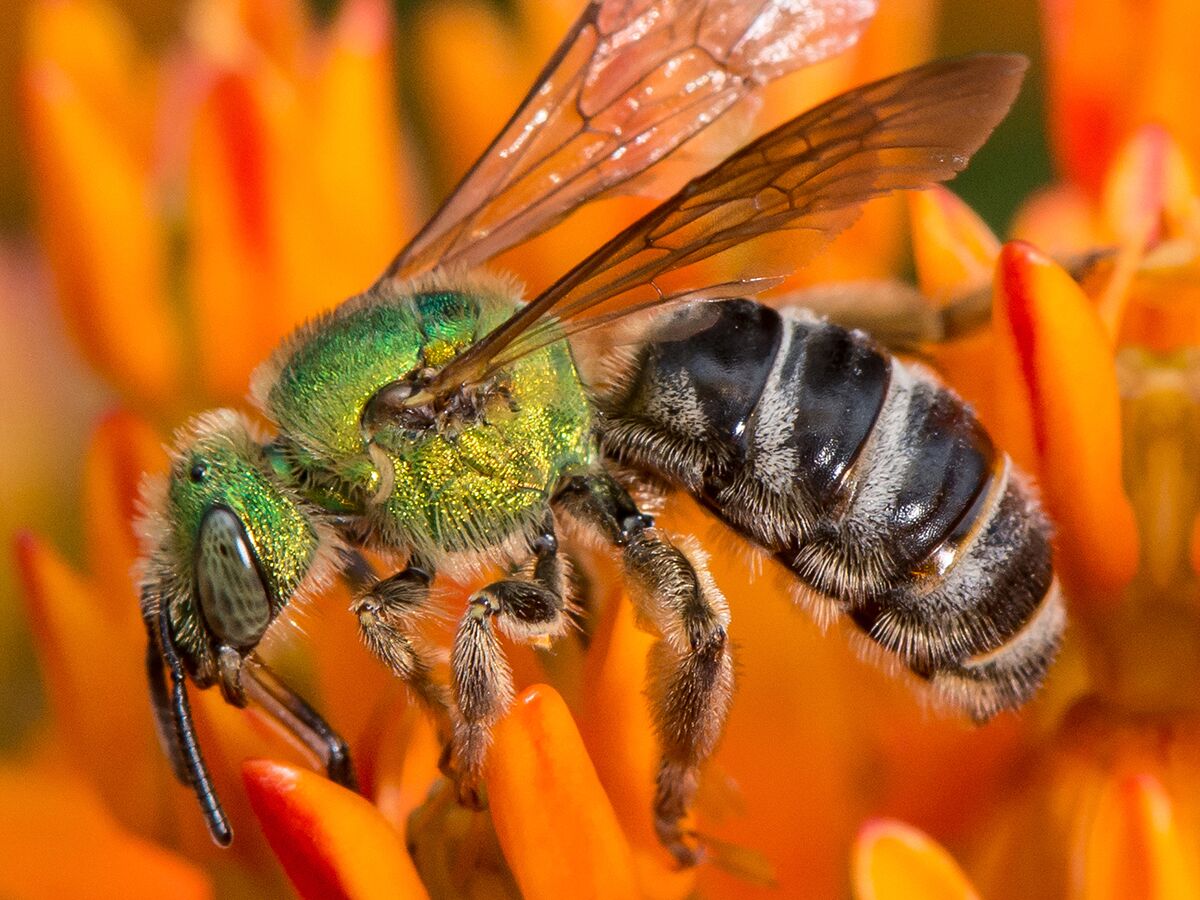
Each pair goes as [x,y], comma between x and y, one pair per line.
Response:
[632,81]
[808,177]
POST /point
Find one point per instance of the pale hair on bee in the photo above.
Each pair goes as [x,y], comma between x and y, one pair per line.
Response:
[450,424]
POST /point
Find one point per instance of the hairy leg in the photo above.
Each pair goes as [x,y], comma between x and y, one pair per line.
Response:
[528,608]
[690,670]
[387,613]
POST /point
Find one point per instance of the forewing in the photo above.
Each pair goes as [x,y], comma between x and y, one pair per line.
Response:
[632,81]
[808,177]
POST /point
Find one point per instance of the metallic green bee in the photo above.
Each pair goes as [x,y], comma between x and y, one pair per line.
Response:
[440,419]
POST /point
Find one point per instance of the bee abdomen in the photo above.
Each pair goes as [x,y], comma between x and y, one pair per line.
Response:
[868,479]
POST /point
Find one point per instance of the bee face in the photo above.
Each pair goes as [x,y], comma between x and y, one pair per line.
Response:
[230,545]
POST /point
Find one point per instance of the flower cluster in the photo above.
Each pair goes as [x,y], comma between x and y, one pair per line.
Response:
[196,207]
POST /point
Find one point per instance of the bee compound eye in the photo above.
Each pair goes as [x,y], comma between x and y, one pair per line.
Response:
[233,598]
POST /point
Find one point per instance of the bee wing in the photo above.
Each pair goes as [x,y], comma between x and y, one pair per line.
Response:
[632,81]
[808,177]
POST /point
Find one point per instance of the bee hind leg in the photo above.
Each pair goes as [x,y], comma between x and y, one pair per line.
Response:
[690,668]
[531,609]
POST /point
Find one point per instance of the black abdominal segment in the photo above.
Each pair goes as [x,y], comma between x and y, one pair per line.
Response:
[864,476]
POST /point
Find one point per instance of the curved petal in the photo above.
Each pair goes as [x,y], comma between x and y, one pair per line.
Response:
[955,253]
[365,189]
[123,449]
[1133,844]
[1060,219]
[894,861]
[1054,355]
[1149,192]
[233,248]
[332,842]
[91,185]
[954,250]
[557,829]
[58,840]
[94,667]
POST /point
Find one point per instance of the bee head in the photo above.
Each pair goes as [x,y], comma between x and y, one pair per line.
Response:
[226,547]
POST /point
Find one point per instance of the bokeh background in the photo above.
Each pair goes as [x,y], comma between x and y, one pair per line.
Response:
[270,156]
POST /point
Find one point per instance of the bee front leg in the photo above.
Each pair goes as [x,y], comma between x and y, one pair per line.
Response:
[387,612]
[690,668]
[530,609]
[287,707]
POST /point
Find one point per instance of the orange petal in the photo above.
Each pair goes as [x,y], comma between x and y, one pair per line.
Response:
[1059,219]
[1092,47]
[1168,65]
[1149,191]
[894,861]
[91,185]
[1114,66]
[275,27]
[954,250]
[95,676]
[1149,197]
[795,688]
[367,206]
[556,826]
[402,753]
[332,842]
[475,79]
[232,248]
[1053,353]
[1196,547]
[1162,311]
[97,52]
[1133,845]
[58,840]
[123,449]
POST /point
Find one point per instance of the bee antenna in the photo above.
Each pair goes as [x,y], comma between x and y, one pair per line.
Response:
[185,743]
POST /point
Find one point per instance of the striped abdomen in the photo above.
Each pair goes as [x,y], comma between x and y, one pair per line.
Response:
[864,476]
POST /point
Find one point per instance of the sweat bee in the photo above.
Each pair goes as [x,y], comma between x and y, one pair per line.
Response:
[442,419]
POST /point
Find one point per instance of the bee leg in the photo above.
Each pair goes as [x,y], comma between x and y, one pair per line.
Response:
[690,669]
[387,613]
[287,707]
[530,609]
[896,315]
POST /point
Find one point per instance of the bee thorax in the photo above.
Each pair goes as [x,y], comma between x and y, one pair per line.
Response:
[392,412]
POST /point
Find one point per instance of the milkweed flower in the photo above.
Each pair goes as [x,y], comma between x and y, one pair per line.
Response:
[1090,383]
[255,176]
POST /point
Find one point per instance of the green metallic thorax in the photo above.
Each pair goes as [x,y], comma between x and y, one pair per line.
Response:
[468,490]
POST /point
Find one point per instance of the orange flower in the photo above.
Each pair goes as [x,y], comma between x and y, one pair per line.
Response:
[1088,385]
[257,176]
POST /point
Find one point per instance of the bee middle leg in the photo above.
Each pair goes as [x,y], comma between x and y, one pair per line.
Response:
[690,667]
[387,610]
[530,609]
